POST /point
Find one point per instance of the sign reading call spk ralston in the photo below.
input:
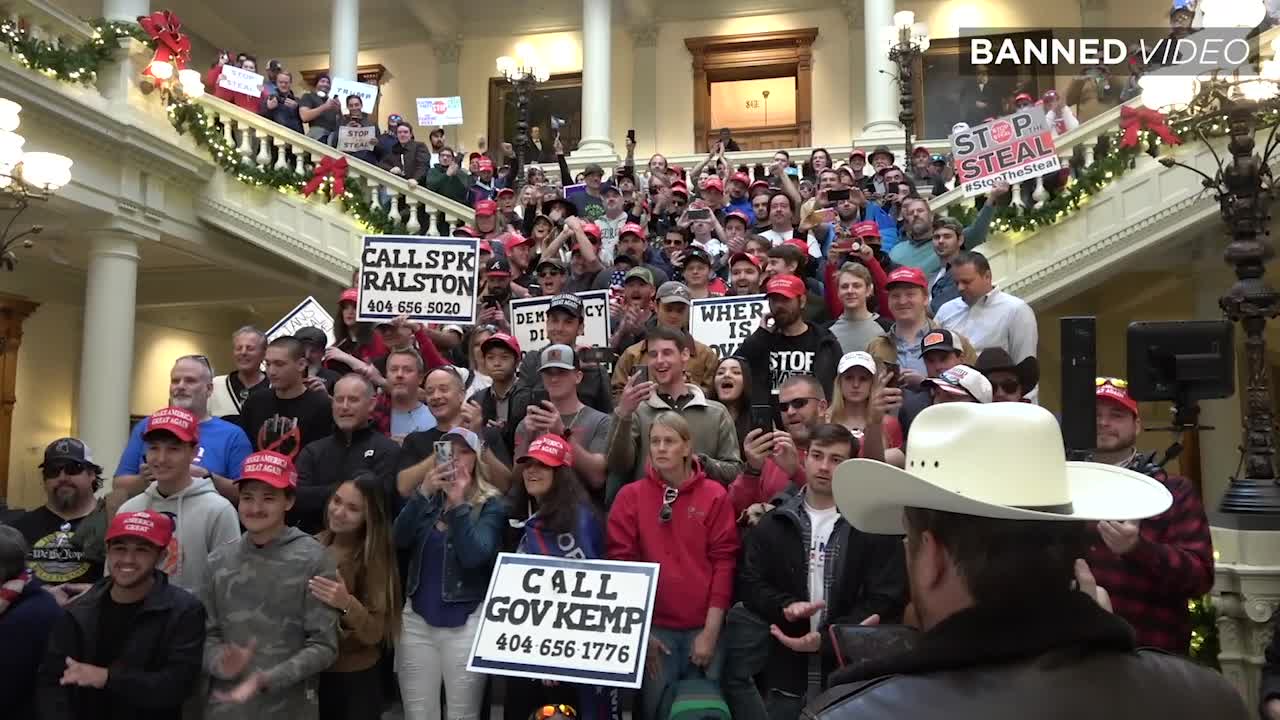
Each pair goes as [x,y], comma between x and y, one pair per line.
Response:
[1013,148]
[430,279]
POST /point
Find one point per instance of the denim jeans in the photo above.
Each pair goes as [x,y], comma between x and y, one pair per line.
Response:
[746,648]
[675,667]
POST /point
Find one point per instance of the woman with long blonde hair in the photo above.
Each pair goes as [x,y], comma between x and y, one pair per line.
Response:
[858,379]
[452,528]
[367,593]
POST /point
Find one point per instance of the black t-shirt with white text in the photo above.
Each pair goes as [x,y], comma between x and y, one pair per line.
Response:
[55,558]
[789,355]
[313,412]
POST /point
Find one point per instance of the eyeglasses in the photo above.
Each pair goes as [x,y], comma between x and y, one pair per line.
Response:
[70,468]
[1009,386]
[1120,383]
[797,404]
[669,495]
[550,711]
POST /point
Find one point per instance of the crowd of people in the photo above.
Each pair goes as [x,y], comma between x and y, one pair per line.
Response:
[865,487]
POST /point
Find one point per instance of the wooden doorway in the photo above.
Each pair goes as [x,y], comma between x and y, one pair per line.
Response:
[13,311]
[759,56]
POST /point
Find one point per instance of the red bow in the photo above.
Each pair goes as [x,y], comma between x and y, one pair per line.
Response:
[337,167]
[1144,118]
[171,46]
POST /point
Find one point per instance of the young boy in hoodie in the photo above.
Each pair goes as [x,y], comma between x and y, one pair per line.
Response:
[268,637]
[202,517]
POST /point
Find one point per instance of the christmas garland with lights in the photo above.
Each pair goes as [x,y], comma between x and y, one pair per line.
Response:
[74,64]
[189,118]
[1204,632]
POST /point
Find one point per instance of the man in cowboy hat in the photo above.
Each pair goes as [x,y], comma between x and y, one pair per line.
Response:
[1150,567]
[1010,381]
[995,522]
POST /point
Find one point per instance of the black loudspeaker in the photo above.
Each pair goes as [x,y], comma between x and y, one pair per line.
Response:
[1079,371]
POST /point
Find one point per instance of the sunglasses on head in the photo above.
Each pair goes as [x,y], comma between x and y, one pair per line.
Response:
[669,495]
[1113,382]
[550,711]
[70,468]
[797,404]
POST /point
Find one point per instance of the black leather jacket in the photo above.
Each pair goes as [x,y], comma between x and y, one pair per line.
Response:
[1061,659]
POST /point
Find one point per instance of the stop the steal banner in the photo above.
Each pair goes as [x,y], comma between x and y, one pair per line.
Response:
[1013,148]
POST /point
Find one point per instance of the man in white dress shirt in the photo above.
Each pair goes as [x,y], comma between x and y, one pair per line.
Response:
[989,317]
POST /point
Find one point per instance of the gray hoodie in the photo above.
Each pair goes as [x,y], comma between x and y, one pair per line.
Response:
[204,520]
[260,593]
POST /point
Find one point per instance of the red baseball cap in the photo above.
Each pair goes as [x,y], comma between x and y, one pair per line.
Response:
[486,207]
[592,231]
[153,527]
[803,245]
[787,286]
[758,184]
[679,187]
[1023,97]
[920,150]
[908,275]
[736,257]
[741,177]
[713,183]
[515,240]
[866,229]
[859,152]
[349,295]
[506,191]
[738,215]
[503,339]
[483,164]
[1109,389]
[182,423]
[271,468]
[550,450]
[465,231]
[632,229]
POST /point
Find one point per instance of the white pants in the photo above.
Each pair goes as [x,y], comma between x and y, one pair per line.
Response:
[427,656]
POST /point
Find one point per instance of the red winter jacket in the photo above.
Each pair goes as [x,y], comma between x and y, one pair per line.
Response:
[246,102]
[750,488]
[878,277]
[697,548]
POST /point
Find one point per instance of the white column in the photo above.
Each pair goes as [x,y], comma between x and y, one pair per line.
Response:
[597,32]
[129,10]
[447,55]
[344,39]
[881,87]
[106,370]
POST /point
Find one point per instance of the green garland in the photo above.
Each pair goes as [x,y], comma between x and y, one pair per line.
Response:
[74,64]
[1204,632]
[188,118]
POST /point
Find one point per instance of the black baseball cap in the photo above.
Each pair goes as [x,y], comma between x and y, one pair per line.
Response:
[498,266]
[69,449]
[696,253]
[312,336]
[940,339]
[571,304]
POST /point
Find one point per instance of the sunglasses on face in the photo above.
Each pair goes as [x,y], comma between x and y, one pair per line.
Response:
[1113,382]
[550,711]
[70,468]
[669,495]
[797,404]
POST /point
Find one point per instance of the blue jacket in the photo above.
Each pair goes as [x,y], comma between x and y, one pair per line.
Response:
[586,542]
[472,545]
[743,206]
[24,633]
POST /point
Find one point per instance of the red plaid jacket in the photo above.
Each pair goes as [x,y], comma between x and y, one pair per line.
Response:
[1171,564]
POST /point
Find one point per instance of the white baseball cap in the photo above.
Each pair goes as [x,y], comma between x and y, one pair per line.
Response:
[854,359]
[963,380]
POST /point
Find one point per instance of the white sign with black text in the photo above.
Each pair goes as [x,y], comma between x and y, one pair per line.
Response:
[240,80]
[431,279]
[368,93]
[440,111]
[568,620]
[723,323]
[308,313]
[357,139]
[529,320]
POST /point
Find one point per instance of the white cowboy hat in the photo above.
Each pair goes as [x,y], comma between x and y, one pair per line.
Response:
[998,460]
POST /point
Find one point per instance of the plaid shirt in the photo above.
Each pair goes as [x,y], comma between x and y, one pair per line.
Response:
[1171,564]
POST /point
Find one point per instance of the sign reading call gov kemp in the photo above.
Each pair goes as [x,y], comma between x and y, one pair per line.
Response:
[565,619]
[430,279]
[1013,148]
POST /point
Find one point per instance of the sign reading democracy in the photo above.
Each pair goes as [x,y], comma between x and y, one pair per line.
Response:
[432,279]
[1013,148]
[723,323]
[440,111]
[566,619]
[368,93]
[357,139]
[240,80]
[529,320]
[308,313]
